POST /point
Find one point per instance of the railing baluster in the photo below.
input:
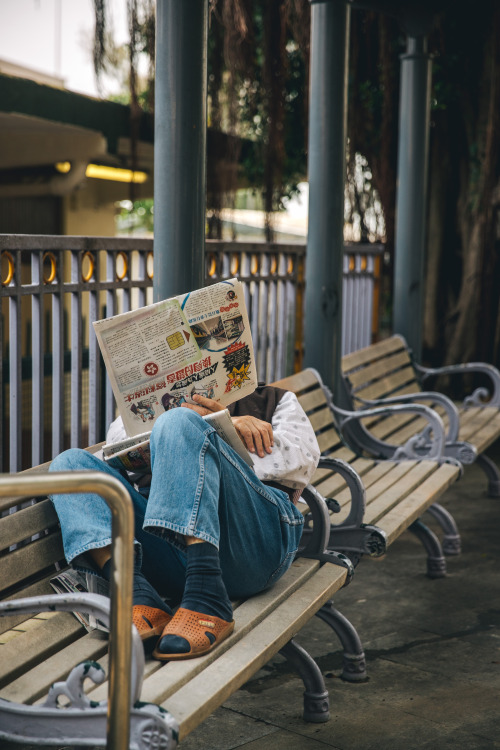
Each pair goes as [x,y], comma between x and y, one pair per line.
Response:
[263,318]
[58,364]
[94,404]
[110,311]
[281,343]
[272,333]
[15,363]
[37,373]
[76,352]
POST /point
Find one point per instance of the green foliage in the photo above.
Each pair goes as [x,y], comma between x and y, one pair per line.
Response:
[136,217]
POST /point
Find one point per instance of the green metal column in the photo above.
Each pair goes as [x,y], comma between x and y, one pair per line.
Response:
[411,197]
[326,166]
[180,146]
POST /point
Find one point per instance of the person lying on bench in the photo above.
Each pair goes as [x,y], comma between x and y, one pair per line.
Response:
[208,527]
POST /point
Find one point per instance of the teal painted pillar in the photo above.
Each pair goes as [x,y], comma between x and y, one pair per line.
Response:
[411,195]
[326,167]
[180,146]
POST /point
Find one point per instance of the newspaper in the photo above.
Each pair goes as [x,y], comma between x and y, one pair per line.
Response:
[72,581]
[159,356]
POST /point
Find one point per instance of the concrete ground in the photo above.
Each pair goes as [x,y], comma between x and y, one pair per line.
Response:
[432,650]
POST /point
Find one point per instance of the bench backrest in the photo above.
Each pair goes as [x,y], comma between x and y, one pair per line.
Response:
[38,554]
[31,552]
[381,370]
[308,388]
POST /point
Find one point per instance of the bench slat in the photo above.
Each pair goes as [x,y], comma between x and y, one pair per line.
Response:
[313,400]
[32,648]
[389,386]
[372,352]
[379,369]
[197,700]
[330,443]
[487,435]
[373,475]
[34,684]
[321,419]
[22,563]
[408,510]
[376,486]
[40,588]
[26,522]
[383,498]
[298,382]
[472,425]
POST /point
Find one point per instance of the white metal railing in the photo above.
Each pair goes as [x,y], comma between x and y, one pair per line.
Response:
[54,392]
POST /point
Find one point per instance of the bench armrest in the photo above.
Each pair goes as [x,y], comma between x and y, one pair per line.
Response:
[93,604]
[412,398]
[315,542]
[82,722]
[351,537]
[434,445]
[477,398]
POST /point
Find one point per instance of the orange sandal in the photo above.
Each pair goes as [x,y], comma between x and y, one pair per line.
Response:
[149,621]
[194,627]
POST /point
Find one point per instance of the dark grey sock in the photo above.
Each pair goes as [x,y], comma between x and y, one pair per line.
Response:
[204,590]
[142,591]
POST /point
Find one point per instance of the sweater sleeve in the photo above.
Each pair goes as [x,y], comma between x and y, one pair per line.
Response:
[296,452]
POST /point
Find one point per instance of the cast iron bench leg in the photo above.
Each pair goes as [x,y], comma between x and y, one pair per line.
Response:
[436,563]
[492,474]
[451,544]
[316,701]
[354,662]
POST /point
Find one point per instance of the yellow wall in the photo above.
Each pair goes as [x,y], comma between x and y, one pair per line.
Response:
[85,213]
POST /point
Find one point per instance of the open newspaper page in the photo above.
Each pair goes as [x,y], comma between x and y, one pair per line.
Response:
[159,356]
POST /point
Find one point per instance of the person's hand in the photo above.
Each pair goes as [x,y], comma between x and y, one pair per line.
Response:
[203,405]
[255,434]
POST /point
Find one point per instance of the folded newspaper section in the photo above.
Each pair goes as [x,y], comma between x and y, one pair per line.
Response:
[134,454]
[160,356]
[72,581]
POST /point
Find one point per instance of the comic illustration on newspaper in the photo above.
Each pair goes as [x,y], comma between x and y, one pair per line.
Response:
[159,356]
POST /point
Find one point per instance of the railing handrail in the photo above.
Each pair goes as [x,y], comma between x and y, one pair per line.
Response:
[79,242]
[117,497]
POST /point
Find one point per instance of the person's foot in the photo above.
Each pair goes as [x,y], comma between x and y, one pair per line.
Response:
[149,621]
[190,634]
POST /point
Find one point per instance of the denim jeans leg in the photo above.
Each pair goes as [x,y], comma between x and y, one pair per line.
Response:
[200,487]
[85,521]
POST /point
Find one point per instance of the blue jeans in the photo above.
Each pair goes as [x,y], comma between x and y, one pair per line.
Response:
[200,487]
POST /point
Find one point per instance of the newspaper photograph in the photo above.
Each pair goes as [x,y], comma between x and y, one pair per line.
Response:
[159,356]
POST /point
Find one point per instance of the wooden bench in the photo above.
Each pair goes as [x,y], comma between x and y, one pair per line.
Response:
[361,517]
[398,491]
[385,372]
[37,652]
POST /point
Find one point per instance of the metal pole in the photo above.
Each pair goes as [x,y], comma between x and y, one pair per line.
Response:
[411,199]
[122,530]
[180,146]
[327,139]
